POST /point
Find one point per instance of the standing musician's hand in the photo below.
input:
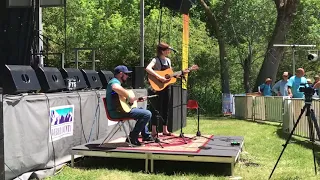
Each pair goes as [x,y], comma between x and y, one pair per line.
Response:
[186,71]
[164,80]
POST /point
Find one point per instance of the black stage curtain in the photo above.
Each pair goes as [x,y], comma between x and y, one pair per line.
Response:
[16,35]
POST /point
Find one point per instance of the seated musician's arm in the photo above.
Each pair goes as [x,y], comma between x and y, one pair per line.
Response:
[150,70]
[122,92]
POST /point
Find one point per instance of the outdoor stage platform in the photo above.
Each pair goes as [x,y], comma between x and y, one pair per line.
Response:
[207,148]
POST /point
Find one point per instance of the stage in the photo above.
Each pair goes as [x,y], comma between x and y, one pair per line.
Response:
[206,148]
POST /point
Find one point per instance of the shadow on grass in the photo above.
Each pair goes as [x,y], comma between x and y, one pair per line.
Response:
[305,142]
[269,123]
[163,167]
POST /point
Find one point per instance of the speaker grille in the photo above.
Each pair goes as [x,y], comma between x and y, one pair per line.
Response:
[76,74]
[50,79]
[105,77]
[20,79]
[92,79]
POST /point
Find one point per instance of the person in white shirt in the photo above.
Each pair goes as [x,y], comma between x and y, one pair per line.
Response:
[281,87]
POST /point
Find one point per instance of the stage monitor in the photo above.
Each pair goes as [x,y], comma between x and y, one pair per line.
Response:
[28,3]
[20,79]
[181,6]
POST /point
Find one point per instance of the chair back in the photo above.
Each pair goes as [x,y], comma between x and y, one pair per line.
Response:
[192,104]
[107,112]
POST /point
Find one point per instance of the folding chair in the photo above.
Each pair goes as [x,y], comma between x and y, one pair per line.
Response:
[193,104]
[118,126]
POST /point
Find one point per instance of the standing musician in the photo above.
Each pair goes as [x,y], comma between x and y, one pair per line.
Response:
[142,116]
[160,104]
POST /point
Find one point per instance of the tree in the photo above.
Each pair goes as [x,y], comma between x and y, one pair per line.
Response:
[246,30]
[215,27]
[286,11]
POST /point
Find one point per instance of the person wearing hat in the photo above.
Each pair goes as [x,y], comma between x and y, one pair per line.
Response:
[159,106]
[265,88]
[142,116]
[281,87]
[316,87]
[309,82]
[295,82]
[316,79]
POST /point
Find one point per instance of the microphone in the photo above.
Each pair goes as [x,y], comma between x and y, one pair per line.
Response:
[171,48]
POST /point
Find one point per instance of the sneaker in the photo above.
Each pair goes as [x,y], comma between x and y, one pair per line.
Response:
[133,142]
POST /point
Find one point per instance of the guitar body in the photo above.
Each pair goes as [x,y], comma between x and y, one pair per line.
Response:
[156,84]
[123,105]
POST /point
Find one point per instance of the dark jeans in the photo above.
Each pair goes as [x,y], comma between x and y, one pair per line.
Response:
[159,106]
[142,116]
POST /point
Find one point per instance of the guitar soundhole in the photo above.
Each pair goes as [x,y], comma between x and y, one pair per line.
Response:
[167,76]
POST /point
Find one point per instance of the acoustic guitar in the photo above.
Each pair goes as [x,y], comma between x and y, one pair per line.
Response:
[123,104]
[158,85]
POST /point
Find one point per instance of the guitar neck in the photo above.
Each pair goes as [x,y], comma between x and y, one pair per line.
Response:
[178,73]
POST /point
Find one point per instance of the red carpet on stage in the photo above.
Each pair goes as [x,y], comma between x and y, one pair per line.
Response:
[172,143]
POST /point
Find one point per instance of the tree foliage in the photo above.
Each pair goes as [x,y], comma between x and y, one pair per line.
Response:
[246,30]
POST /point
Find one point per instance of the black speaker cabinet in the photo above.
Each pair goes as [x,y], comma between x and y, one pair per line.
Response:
[105,77]
[77,75]
[138,77]
[92,79]
[181,6]
[175,113]
[50,79]
[20,79]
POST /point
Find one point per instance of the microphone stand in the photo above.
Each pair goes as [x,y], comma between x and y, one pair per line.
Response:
[156,139]
[182,77]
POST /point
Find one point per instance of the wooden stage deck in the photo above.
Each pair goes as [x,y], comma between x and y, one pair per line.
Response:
[208,148]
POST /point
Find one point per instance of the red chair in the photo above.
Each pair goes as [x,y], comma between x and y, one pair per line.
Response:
[118,126]
[193,104]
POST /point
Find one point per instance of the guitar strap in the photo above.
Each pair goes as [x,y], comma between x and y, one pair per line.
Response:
[163,67]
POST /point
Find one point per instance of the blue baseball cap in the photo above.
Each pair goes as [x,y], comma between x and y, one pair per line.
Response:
[121,68]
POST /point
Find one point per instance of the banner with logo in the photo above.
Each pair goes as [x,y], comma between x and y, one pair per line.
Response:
[227,104]
[61,120]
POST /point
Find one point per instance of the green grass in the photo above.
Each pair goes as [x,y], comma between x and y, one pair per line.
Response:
[263,144]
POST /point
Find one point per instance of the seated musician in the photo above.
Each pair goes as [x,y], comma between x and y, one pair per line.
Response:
[142,116]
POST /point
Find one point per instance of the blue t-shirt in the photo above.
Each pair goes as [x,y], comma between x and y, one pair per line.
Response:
[265,89]
[110,105]
[294,82]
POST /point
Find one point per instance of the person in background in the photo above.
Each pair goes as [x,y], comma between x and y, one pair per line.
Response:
[309,82]
[281,87]
[295,82]
[265,88]
[316,86]
[316,79]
